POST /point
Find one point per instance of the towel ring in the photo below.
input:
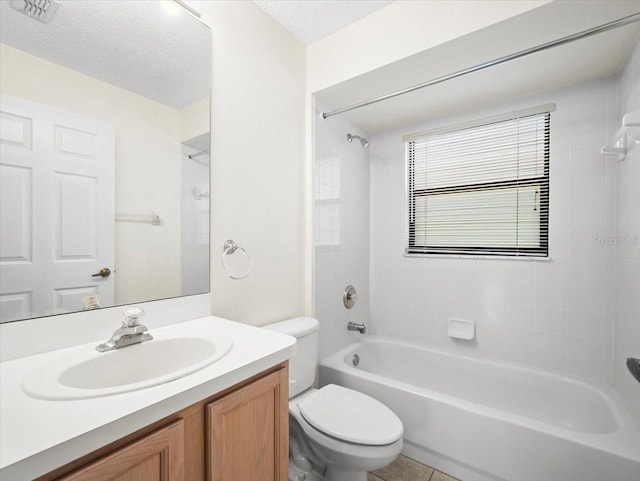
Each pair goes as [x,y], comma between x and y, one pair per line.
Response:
[229,248]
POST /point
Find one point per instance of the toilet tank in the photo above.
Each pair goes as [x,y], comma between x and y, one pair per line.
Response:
[302,366]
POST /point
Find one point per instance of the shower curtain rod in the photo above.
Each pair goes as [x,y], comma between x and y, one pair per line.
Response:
[554,43]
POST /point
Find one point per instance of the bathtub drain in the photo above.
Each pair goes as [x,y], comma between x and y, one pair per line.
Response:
[356,359]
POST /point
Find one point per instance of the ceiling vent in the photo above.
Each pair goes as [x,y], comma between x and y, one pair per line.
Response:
[42,10]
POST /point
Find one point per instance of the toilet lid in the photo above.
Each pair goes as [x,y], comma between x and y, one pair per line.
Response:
[351,416]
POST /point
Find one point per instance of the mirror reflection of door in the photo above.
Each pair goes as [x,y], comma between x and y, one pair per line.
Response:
[58,195]
[144,71]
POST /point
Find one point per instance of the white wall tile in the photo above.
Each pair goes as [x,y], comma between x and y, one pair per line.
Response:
[547,349]
[626,246]
[585,269]
[584,351]
[519,316]
[521,291]
[551,294]
[341,217]
[550,319]
[530,312]
[554,270]
[588,324]
[587,297]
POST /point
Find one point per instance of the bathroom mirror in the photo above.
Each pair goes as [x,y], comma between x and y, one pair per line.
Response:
[104,155]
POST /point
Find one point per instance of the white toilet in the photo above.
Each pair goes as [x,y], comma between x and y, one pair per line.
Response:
[334,431]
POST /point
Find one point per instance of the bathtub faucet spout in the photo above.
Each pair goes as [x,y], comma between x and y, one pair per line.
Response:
[357,326]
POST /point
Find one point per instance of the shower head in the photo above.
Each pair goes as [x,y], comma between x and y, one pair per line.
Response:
[364,142]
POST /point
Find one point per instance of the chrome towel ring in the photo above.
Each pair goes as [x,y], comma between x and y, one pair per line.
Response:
[229,248]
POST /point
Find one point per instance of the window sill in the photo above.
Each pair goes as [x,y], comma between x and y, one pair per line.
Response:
[473,256]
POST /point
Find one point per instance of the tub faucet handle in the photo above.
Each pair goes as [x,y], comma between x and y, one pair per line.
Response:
[349,297]
[357,326]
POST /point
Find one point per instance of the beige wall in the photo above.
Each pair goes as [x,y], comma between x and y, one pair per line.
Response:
[194,119]
[401,29]
[257,162]
[147,149]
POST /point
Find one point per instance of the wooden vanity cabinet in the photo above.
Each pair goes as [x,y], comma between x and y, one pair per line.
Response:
[240,434]
[245,440]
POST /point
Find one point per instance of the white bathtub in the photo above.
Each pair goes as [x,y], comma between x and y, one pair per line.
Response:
[481,420]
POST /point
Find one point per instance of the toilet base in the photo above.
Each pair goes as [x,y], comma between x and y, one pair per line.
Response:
[297,474]
[335,473]
[332,474]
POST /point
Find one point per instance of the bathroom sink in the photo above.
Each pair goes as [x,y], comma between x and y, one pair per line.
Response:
[84,373]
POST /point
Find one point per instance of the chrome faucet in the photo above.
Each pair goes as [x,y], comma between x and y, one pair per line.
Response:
[357,326]
[130,332]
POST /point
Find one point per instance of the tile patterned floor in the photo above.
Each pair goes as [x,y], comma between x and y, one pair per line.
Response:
[406,469]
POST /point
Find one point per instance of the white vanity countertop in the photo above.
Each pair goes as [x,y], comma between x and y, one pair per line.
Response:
[37,436]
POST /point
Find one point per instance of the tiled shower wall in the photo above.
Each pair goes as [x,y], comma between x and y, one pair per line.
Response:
[627,247]
[554,314]
[341,223]
[576,314]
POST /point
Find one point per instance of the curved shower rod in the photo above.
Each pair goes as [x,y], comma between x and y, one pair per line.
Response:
[522,53]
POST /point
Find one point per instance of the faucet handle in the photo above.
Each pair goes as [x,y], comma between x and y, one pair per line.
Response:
[132,315]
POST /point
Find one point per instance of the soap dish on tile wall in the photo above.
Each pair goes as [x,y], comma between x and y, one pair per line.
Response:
[462,329]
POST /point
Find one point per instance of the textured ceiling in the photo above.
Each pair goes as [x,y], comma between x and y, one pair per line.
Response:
[312,20]
[161,53]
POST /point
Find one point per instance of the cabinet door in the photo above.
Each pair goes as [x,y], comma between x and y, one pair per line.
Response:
[248,432]
[158,456]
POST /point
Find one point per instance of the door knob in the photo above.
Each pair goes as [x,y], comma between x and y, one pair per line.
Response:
[104,272]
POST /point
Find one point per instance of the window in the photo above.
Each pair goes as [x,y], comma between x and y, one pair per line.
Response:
[481,188]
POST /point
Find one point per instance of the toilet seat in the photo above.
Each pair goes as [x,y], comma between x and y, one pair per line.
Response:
[341,453]
[351,416]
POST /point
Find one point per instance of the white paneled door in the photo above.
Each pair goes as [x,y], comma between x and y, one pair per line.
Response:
[56,209]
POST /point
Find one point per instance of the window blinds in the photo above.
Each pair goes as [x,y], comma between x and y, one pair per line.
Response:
[481,188]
